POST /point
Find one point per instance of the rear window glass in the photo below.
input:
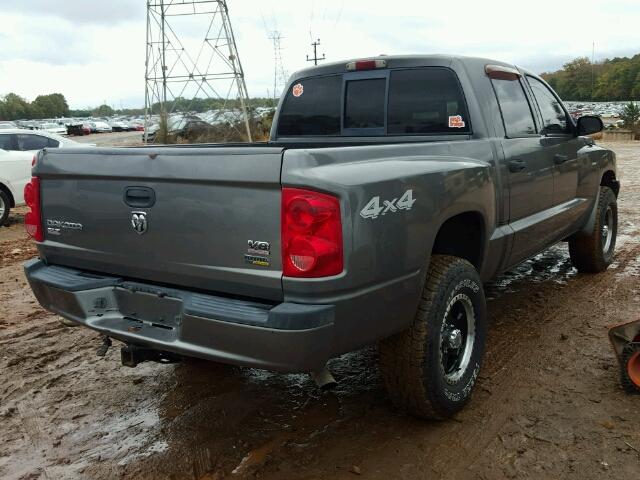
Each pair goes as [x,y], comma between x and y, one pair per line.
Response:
[312,107]
[427,101]
[364,103]
[516,111]
[420,101]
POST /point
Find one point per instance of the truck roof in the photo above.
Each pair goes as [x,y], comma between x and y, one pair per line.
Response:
[399,61]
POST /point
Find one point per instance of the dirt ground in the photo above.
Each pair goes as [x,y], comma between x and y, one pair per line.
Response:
[548,403]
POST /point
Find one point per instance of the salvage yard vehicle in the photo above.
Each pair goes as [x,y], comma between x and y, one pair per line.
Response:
[17,147]
[390,190]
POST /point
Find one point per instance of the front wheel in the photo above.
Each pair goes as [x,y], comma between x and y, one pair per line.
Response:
[430,369]
[5,206]
[593,252]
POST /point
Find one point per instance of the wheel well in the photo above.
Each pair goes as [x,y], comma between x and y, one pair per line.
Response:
[462,236]
[609,180]
[12,202]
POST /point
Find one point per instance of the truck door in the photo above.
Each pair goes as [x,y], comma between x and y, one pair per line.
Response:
[563,147]
[529,165]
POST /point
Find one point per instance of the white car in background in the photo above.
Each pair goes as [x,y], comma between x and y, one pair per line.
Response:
[52,127]
[17,148]
[100,127]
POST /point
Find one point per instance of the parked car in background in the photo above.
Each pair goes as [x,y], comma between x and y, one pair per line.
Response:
[5,125]
[186,127]
[101,127]
[119,126]
[17,147]
[78,129]
[52,127]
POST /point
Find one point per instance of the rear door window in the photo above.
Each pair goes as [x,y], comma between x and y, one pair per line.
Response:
[426,101]
[312,107]
[516,111]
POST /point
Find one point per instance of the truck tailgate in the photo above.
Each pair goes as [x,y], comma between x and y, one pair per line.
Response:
[176,215]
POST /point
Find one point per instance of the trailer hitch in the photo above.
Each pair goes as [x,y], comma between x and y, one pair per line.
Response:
[132,355]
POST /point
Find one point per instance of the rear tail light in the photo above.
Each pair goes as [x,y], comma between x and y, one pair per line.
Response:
[33,218]
[311,234]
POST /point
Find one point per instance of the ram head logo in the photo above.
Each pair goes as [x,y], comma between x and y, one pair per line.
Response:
[139,222]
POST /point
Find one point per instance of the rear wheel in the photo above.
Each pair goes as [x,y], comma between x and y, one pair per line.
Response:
[431,368]
[593,252]
[5,206]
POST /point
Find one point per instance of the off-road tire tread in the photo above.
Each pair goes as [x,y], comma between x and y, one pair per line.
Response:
[585,250]
[402,356]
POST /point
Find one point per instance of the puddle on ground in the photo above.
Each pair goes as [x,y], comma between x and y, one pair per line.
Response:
[552,265]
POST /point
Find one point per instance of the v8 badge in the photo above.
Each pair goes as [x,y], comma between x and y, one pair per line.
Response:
[374,209]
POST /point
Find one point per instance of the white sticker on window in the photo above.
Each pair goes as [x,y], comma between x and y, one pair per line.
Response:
[455,121]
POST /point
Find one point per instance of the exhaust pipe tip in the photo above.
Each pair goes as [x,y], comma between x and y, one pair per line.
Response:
[323,379]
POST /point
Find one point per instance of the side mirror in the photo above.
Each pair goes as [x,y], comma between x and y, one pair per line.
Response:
[589,124]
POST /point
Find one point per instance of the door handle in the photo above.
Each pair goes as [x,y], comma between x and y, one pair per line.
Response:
[517,165]
[139,197]
[559,158]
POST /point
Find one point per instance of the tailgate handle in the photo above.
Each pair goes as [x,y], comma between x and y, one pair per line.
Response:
[139,197]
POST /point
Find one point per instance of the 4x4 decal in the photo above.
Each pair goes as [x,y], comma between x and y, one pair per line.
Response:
[373,209]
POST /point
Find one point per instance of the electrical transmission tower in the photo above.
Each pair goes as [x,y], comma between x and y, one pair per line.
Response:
[185,62]
[279,73]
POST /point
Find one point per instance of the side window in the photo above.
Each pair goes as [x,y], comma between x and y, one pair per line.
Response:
[312,107]
[7,142]
[32,142]
[52,143]
[554,117]
[364,103]
[515,108]
[426,101]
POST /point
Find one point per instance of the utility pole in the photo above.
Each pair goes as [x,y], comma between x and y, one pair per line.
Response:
[315,53]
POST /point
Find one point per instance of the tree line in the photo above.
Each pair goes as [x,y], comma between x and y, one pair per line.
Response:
[54,105]
[14,107]
[613,79]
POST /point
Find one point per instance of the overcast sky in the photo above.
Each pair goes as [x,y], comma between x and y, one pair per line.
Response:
[94,51]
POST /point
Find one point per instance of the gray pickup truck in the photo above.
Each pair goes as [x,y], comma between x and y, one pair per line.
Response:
[391,188]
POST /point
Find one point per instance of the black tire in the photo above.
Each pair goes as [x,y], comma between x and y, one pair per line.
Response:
[5,206]
[413,362]
[593,252]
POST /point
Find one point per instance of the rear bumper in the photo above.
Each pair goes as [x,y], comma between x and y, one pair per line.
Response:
[286,337]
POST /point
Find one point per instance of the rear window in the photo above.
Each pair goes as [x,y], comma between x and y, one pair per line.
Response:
[422,101]
[312,107]
[426,101]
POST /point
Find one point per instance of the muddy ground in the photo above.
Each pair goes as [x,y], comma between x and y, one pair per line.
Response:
[548,403]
